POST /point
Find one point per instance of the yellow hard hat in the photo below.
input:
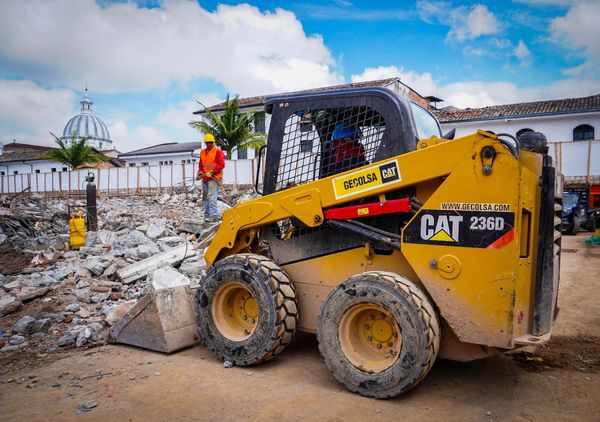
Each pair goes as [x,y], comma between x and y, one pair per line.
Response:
[209,137]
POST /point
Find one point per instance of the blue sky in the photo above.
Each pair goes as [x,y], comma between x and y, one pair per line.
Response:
[147,63]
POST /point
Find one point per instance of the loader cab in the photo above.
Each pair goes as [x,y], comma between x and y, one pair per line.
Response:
[317,135]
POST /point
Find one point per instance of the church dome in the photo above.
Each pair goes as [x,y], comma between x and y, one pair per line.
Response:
[87,125]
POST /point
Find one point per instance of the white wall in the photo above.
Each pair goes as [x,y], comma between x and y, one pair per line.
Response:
[557,128]
[155,159]
[44,166]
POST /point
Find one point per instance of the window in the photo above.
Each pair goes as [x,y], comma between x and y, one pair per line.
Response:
[259,122]
[2,173]
[65,169]
[170,162]
[131,164]
[306,145]
[53,169]
[242,153]
[145,163]
[189,161]
[15,172]
[524,130]
[426,124]
[37,171]
[182,161]
[193,160]
[583,133]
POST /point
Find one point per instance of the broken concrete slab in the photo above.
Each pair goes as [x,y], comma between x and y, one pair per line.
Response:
[189,225]
[24,325]
[156,228]
[147,250]
[96,266]
[143,268]
[9,305]
[193,267]
[167,277]
[26,296]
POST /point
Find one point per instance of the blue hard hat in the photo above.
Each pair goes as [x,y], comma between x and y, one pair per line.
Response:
[343,130]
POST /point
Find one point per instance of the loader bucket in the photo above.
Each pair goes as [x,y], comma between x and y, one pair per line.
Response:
[162,320]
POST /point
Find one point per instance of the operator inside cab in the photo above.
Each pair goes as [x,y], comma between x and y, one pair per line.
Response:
[346,150]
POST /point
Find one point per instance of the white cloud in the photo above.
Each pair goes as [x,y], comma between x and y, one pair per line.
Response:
[464,22]
[545,2]
[130,139]
[422,83]
[28,111]
[480,93]
[481,21]
[522,53]
[178,116]
[579,30]
[124,47]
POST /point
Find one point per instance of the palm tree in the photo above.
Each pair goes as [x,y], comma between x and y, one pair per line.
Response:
[76,153]
[232,130]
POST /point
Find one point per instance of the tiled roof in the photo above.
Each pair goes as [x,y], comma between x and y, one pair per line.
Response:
[258,101]
[22,155]
[536,108]
[20,146]
[166,148]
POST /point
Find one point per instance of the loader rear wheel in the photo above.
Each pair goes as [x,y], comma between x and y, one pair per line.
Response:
[379,334]
[246,309]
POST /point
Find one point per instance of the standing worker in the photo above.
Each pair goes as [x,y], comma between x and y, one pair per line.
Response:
[212,163]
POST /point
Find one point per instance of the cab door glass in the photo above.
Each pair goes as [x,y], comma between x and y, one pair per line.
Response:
[427,125]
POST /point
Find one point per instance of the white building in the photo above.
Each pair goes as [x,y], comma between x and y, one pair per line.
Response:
[163,154]
[18,158]
[571,126]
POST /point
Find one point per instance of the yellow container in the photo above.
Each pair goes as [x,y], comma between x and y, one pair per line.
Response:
[77,231]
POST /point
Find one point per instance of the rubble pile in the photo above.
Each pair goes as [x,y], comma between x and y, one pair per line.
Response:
[52,298]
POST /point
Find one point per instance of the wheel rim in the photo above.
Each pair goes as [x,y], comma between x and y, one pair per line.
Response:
[235,311]
[370,337]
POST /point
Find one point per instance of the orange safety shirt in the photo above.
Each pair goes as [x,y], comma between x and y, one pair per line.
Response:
[212,160]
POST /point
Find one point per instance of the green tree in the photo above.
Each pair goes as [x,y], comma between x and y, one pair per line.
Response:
[232,130]
[73,154]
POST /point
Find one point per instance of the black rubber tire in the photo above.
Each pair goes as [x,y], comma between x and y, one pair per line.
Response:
[415,316]
[574,227]
[276,299]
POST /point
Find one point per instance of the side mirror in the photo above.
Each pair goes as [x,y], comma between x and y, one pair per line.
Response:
[450,134]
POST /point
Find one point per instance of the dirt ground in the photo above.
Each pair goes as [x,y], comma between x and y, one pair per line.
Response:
[560,382]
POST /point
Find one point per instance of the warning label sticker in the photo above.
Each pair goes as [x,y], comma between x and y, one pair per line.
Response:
[366,179]
[492,230]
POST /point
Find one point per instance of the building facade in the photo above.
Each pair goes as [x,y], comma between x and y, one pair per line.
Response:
[163,154]
[571,126]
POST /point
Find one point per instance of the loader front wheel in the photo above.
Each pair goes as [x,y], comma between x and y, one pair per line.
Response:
[379,334]
[246,309]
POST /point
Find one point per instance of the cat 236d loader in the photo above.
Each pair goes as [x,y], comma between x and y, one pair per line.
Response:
[391,243]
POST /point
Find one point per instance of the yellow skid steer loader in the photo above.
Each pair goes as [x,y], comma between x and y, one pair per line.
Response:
[391,243]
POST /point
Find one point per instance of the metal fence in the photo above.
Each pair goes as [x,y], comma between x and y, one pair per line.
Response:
[125,180]
[574,159]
